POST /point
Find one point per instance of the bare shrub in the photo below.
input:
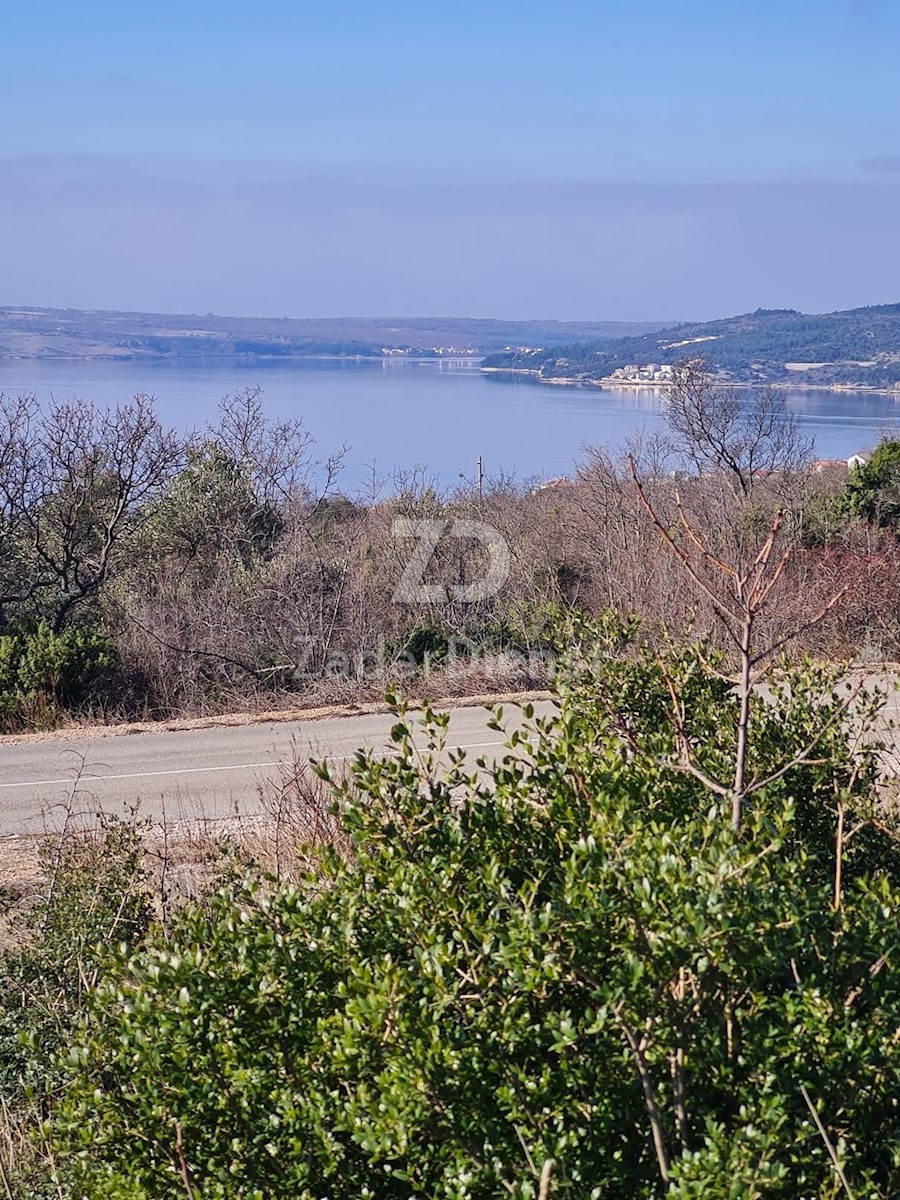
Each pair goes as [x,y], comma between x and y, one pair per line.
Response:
[740,435]
[303,816]
[230,572]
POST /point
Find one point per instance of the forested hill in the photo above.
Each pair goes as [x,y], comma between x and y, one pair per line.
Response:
[860,346]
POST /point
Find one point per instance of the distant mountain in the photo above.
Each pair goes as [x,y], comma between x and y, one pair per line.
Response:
[859,347]
[74,333]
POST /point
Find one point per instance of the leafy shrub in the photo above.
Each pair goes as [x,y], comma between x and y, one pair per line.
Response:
[426,645]
[570,957]
[826,520]
[210,508]
[873,489]
[43,673]
[93,896]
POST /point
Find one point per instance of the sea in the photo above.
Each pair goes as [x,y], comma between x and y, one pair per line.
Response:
[436,418]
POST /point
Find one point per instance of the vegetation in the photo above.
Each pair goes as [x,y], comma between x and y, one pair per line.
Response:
[650,951]
[93,895]
[43,674]
[860,346]
[71,333]
[571,966]
[874,488]
[144,574]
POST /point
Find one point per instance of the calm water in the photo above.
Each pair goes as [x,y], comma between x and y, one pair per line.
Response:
[437,415]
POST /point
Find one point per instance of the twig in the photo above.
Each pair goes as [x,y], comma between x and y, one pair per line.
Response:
[59,851]
[5,1178]
[802,756]
[637,1047]
[681,1113]
[721,608]
[694,537]
[832,1153]
[686,762]
[805,627]
[179,1150]
[546,1177]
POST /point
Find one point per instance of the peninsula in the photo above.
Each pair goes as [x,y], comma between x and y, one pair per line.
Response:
[856,348]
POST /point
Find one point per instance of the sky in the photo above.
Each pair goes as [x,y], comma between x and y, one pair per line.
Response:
[613,159]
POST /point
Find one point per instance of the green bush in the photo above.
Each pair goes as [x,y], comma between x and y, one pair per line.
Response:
[211,508]
[570,956]
[42,673]
[92,897]
[426,644]
[873,490]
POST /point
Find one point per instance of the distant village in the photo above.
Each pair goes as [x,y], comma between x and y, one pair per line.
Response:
[819,465]
[437,351]
[651,373]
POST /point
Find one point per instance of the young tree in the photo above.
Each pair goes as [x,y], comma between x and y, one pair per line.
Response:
[739,592]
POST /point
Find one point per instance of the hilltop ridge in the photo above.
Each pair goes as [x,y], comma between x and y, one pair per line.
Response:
[857,347]
[78,333]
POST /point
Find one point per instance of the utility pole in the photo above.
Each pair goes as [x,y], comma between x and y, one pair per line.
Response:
[480,468]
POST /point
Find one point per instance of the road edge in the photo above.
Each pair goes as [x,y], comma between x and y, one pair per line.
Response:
[268,717]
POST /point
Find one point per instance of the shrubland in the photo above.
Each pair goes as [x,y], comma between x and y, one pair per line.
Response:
[146,574]
[568,973]
[647,951]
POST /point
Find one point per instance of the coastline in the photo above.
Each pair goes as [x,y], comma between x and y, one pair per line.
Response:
[621,385]
[249,359]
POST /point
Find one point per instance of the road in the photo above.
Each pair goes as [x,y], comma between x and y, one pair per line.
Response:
[213,772]
[207,773]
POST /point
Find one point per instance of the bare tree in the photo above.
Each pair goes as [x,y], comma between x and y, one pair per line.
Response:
[739,594]
[276,454]
[75,485]
[741,433]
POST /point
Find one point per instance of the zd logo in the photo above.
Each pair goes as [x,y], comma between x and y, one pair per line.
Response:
[412,588]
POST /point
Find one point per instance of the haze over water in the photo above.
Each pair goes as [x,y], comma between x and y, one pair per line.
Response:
[437,415]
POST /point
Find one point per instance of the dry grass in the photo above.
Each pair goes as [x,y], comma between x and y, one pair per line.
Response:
[186,854]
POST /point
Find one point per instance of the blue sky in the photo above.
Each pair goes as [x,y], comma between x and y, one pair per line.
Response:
[639,159]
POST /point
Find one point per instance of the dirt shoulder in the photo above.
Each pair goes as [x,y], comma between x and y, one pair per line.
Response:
[265,717]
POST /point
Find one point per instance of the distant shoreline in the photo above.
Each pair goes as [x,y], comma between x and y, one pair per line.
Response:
[239,359]
[618,385]
[474,361]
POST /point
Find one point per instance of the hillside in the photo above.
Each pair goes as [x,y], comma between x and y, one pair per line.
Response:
[858,347]
[74,333]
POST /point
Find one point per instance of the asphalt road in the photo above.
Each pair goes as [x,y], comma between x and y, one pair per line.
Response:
[192,774]
[215,772]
